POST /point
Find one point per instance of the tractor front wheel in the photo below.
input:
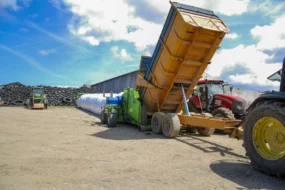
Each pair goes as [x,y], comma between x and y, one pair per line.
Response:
[103,117]
[264,137]
[112,119]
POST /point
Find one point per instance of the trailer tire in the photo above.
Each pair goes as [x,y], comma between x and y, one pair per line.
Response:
[112,119]
[103,117]
[156,122]
[170,125]
[269,117]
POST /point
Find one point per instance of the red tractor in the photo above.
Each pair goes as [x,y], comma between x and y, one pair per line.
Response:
[216,98]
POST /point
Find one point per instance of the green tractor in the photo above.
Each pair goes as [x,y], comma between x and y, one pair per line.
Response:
[37,100]
[264,129]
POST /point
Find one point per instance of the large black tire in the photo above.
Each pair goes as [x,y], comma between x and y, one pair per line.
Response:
[222,112]
[112,119]
[103,117]
[156,122]
[265,110]
[170,125]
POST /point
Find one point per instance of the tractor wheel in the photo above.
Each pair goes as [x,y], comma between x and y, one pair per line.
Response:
[205,131]
[156,122]
[112,119]
[264,137]
[223,112]
[170,125]
[103,117]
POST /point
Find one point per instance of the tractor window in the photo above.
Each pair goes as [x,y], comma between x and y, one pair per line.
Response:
[215,89]
[37,91]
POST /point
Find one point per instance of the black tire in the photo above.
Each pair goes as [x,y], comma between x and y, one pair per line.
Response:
[222,112]
[46,106]
[204,131]
[170,125]
[143,116]
[112,119]
[191,129]
[103,117]
[268,109]
[156,122]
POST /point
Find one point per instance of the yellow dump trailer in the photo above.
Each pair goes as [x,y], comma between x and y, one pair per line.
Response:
[187,43]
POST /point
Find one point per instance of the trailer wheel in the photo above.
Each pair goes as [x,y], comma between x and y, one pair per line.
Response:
[170,125]
[264,137]
[156,122]
[112,119]
[103,117]
[205,131]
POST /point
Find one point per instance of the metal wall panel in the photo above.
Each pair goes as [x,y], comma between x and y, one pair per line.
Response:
[117,84]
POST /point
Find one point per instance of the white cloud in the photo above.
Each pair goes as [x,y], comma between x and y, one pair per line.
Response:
[47,51]
[226,7]
[93,41]
[232,36]
[268,7]
[270,36]
[108,20]
[251,59]
[122,55]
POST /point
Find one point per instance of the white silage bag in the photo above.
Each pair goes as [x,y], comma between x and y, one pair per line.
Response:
[94,102]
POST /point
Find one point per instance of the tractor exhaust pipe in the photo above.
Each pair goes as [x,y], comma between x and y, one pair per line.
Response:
[282,83]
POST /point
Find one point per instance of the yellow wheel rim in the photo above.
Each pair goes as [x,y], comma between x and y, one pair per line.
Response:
[269,138]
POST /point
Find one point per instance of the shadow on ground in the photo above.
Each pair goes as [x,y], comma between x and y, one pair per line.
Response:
[124,132]
[200,142]
[241,172]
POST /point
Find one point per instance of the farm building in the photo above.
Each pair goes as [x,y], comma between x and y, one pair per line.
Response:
[116,84]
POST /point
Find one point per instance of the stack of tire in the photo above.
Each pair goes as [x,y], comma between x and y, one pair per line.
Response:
[17,94]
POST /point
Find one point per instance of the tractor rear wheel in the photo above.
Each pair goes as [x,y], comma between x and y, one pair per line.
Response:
[156,122]
[170,125]
[264,137]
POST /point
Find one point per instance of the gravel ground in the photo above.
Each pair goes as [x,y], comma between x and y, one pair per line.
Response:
[67,148]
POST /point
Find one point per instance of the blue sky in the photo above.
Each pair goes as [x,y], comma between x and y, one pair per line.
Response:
[71,42]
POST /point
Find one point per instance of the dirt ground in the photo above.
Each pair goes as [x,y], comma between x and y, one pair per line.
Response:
[66,148]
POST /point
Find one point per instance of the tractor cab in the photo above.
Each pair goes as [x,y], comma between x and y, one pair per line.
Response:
[37,98]
[213,95]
